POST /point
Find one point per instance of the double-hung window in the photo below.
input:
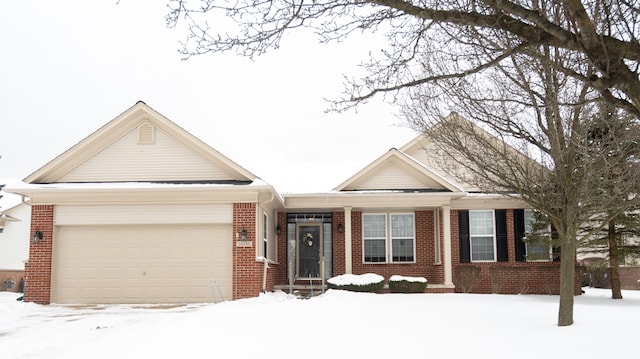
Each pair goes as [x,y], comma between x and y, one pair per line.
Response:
[388,237]
[482,235]
[374,234]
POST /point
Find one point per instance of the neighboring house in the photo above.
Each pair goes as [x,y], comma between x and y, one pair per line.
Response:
[594,259]
[143,212]
[15,218]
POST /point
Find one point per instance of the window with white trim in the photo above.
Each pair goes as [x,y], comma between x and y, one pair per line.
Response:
[265,234]
[482,235]
[388,237]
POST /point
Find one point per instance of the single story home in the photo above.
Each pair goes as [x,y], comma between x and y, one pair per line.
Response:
[141,211]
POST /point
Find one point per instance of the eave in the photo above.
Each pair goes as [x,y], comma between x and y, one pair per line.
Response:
[123,193]
[369,200]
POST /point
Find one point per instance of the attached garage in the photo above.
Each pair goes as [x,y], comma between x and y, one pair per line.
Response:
[141,211]
[141,264]
[141,253]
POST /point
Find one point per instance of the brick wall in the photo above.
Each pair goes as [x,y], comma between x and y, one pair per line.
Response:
[247,272]
[509,277]
[280,271]
[338,244]
[38,269]
[490,277]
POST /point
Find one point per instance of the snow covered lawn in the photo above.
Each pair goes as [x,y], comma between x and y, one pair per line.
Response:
[337,324]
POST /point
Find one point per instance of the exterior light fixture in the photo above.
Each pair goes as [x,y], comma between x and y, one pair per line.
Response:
[37,237]
[278,229]
[340,228]
[243,235]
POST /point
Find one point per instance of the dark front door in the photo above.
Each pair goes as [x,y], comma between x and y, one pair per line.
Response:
[309,249]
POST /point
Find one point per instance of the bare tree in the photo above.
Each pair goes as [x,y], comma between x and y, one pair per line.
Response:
[582,168]
[602,33]
[529,71]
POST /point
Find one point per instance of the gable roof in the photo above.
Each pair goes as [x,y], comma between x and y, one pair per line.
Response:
[111,145]
[423,145]
[397,171]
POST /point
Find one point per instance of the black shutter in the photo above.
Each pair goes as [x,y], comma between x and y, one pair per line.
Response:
[501,235]
[519,228]
[463,232]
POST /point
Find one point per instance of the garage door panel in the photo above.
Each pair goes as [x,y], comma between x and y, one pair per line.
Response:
[136,264]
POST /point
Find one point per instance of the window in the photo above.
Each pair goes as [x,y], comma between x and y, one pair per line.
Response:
[482,235]
[265,234]
[537,249]
[374,236]
[402,237]
[388,236]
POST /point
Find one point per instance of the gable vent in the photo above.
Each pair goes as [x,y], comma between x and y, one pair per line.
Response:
[146,134]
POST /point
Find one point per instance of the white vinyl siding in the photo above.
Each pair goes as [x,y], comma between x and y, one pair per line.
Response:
[143,214]
[482,235]
[393,176]
[163,160]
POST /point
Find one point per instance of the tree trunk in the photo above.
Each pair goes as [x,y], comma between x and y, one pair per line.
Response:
[614,262]
[567,280]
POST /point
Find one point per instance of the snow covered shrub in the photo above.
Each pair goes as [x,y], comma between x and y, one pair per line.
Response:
[369,282]
[400,284]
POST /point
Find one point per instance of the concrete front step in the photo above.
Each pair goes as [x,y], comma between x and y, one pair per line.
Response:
[302,290]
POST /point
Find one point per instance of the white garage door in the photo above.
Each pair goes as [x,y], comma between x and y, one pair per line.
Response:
[141,264]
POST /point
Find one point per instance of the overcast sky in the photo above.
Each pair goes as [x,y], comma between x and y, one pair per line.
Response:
[69,67]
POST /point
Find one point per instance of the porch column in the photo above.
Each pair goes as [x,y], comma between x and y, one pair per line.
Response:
[347,241]
[446,234]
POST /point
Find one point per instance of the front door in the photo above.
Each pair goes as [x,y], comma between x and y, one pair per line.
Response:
[309,249]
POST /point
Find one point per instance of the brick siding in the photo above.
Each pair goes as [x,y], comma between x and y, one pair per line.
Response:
[247,272]
[509,277]
[38,269]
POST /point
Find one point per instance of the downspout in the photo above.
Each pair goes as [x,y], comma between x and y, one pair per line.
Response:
[266,260]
